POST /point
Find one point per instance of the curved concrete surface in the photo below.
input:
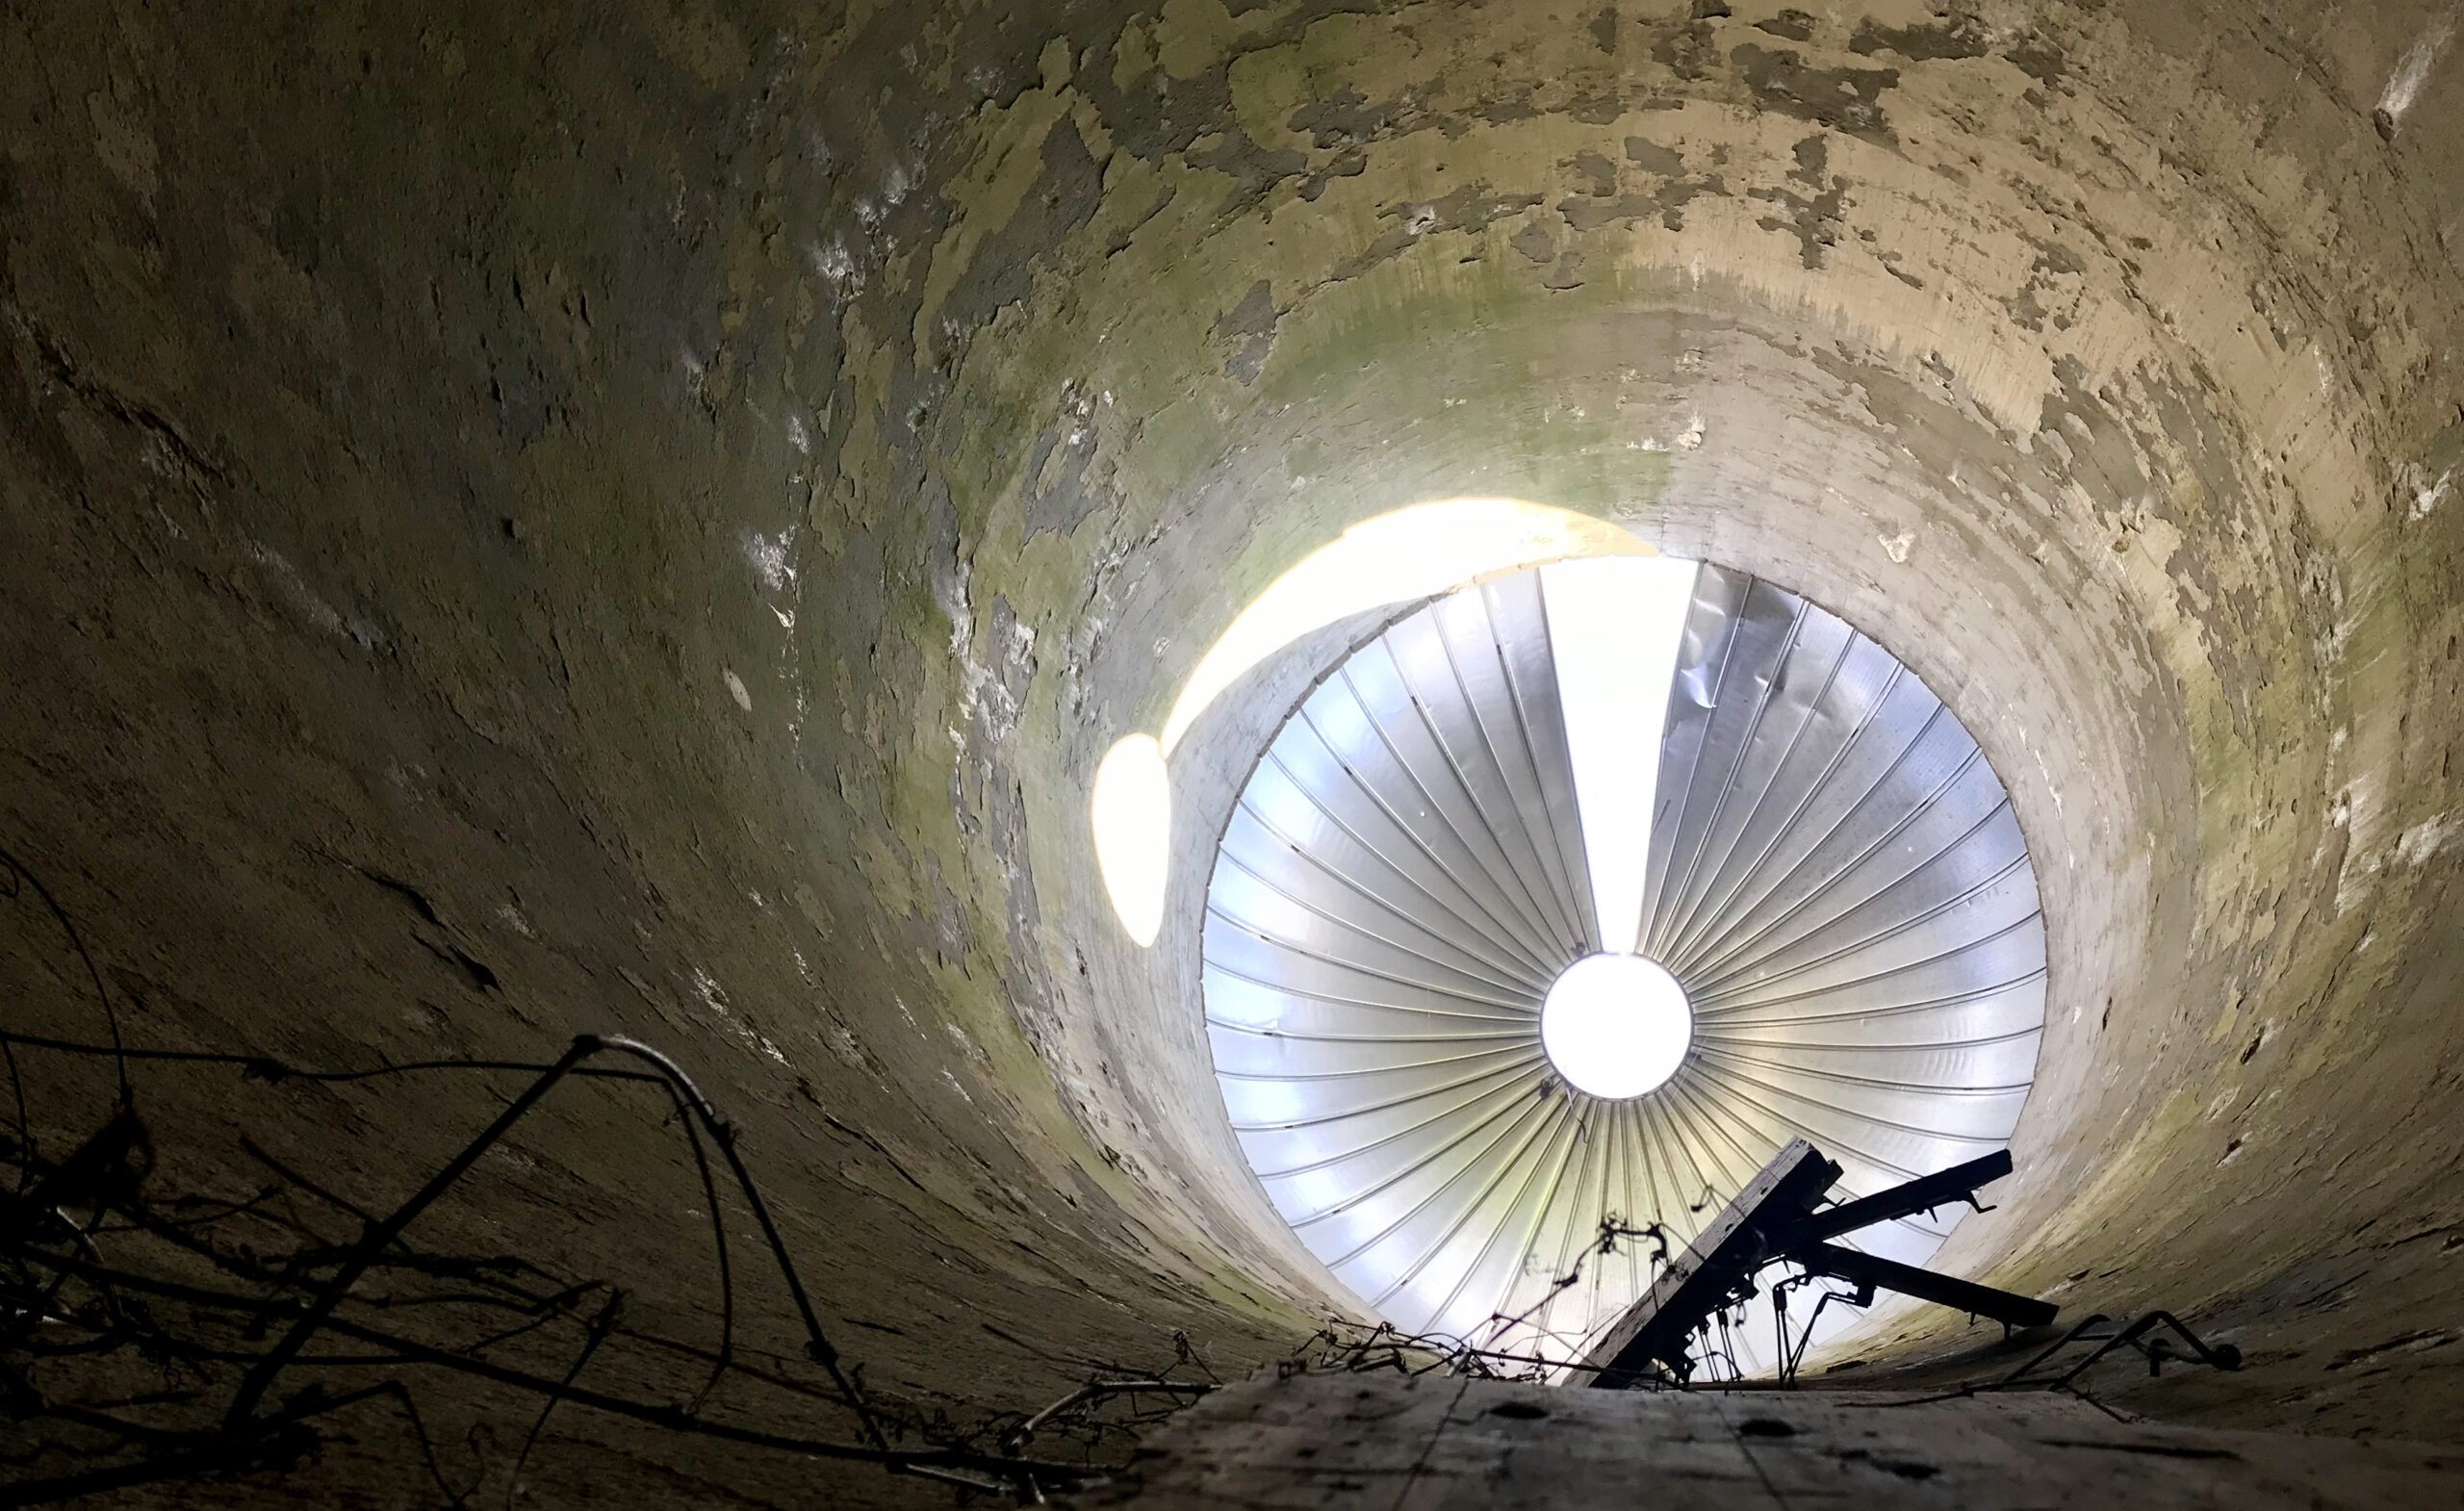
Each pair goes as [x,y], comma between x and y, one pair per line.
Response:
[645,520]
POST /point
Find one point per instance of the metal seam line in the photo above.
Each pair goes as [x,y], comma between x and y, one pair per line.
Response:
[1501,781]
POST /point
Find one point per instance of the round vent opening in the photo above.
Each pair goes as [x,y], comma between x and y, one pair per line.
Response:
[1572,897]
[1616,1025]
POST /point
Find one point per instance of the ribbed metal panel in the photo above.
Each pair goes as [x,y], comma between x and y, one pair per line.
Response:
[1834,876]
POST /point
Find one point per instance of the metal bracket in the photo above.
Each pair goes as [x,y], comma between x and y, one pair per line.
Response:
[1775,1220]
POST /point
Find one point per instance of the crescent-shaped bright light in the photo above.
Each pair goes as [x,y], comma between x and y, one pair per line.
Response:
[1418,553]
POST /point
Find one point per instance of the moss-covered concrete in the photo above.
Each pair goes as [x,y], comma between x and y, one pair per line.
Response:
[690,490]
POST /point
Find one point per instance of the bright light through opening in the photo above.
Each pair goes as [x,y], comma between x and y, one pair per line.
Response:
[1133,819]
[1616,1025]
[1614,629]
[1415,552]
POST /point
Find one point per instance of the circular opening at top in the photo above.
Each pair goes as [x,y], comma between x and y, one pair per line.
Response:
[1616,1025]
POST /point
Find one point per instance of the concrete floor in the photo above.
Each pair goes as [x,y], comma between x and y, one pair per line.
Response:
[1399,1443]
[521,520]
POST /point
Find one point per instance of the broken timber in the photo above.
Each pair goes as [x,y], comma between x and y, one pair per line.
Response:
[1774,1220]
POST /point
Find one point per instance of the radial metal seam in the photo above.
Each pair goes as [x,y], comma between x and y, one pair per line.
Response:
[1833,875]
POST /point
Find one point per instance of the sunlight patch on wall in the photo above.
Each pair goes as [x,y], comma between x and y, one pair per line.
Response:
[1412,553]
[1418,553]
[1133,817]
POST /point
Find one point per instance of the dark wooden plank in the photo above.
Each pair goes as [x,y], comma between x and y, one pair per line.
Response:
[1743,1238]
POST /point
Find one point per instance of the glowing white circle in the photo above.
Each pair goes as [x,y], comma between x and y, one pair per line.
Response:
[1616,1025]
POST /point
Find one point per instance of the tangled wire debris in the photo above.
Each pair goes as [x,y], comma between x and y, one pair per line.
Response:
[151,1336]
[1347,1347]
[2160,1338]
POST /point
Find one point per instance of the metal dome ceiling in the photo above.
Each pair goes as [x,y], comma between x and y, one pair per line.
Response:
[1834,876]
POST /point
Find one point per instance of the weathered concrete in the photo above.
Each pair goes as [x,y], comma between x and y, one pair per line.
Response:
[1333,1442]
[525,520]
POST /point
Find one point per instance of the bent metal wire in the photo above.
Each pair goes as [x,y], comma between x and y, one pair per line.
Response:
[1835,876]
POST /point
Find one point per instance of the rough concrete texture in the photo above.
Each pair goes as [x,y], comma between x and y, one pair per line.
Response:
[1411,1443]
[521,519]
